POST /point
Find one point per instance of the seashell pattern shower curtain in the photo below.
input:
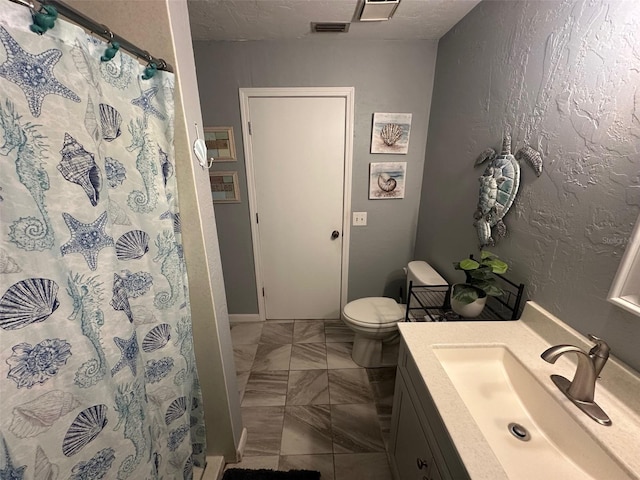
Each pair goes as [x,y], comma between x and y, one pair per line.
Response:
[97,370]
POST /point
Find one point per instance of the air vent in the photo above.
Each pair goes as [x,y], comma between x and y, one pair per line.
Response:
[329,27]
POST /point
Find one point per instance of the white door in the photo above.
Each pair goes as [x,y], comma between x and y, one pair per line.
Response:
[296,159]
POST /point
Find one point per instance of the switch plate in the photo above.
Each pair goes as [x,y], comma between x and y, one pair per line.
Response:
[359,219]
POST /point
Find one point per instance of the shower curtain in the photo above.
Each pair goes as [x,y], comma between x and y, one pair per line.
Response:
[97,370]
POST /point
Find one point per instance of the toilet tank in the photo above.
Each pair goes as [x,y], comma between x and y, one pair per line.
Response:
[421,273]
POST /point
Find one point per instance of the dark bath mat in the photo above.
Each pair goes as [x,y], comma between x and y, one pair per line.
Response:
[263,474]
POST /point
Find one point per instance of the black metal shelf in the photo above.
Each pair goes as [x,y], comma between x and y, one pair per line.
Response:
[431,303]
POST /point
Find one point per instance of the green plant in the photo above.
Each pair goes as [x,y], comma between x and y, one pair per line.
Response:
[479,277]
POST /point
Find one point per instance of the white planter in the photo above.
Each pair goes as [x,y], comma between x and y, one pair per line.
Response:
[468,310]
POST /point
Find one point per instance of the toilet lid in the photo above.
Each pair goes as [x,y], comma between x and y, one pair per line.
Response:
[374,310]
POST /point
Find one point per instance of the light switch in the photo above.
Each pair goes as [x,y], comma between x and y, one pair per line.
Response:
[359,219]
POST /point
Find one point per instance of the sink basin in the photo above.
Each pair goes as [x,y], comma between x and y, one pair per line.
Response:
[498,390]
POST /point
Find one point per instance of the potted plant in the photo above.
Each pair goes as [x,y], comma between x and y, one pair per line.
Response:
[468,299]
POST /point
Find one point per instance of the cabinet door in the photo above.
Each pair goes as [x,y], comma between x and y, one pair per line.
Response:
[411,452]
[434,473]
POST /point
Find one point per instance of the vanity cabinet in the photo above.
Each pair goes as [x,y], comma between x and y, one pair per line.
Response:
[420,447]
[411,452]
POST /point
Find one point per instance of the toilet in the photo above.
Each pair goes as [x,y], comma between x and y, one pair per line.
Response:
[374,320]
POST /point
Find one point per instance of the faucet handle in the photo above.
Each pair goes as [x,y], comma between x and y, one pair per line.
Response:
[600,349]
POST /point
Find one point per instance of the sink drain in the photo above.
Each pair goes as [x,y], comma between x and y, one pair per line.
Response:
[519,432]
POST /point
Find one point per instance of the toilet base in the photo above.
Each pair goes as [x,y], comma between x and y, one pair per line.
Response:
[375,353]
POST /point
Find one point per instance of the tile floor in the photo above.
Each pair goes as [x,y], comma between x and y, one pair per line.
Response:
[306,404]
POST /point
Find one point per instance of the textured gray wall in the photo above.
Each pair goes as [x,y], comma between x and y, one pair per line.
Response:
[394,77]
[566,77]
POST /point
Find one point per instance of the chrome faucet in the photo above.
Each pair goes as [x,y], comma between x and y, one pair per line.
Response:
[581,389]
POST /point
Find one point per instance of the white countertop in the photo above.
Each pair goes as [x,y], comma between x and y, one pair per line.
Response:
[617,389]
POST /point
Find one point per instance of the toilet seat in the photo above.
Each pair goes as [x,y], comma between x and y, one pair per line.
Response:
[374,311]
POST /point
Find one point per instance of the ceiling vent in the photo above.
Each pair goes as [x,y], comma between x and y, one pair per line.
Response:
[378,10]
[329,27]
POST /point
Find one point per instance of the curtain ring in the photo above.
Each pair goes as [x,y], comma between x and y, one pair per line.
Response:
[105,31]
[111,51]
[27,4]
[44,19]
[151,69]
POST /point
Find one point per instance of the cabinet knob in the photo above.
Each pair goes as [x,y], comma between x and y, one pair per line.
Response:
[421,463]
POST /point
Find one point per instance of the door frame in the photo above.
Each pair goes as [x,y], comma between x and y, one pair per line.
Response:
[348,93]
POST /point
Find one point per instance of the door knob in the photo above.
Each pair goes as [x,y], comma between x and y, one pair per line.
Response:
[335,234]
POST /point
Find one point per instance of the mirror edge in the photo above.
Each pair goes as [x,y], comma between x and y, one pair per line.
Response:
[625,289]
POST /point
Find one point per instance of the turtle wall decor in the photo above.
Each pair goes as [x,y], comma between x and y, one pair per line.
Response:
[499,186]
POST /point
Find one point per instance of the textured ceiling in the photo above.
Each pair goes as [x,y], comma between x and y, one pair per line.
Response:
[242,20]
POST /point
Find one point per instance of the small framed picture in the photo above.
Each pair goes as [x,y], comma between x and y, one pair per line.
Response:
[390,133]
[224,187]
[220,144]
[386,180]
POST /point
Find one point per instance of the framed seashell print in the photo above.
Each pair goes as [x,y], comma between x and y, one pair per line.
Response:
[390,133]
[220,144]
[224,187]
[386,180]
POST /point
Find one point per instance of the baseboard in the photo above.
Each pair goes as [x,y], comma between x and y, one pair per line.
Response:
[198,473]
[241,444]
[242,317]
[213,470]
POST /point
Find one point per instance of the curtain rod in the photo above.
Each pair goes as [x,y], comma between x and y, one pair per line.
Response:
[98,29]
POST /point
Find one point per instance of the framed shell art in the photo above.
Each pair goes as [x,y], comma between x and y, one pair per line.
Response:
[224,187]
[390,133]
[386,180]
[220,144]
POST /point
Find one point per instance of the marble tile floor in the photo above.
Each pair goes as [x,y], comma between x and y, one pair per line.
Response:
[307,405]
